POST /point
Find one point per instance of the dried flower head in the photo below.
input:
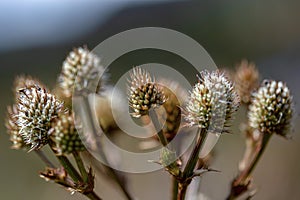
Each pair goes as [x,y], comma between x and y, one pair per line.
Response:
[144,93]
[13,128]
[271,109]
[36,110]
[246,80]
[80,71]
[171,113]
[212,102]
[65,136]
[25,82]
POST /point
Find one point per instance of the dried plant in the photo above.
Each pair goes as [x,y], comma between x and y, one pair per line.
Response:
[40,117]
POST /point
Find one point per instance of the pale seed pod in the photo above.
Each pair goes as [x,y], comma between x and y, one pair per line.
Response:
[36,110]
[271,108]
[212,102]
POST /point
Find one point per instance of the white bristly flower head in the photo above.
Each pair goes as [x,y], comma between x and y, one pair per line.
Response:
[271,108]
[212,102]
[80,71]
[36,110]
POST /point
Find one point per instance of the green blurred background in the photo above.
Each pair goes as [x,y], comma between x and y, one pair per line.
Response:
[36,36]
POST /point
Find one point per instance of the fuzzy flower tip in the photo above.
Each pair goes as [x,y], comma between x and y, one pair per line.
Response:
[80,71]
[271,109]
[144,93]
[36,110]
[13,128]
[246,80]
[212,102]
[26,82]
[65,135]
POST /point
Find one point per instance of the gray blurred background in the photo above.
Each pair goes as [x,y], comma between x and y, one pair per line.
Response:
[35,37]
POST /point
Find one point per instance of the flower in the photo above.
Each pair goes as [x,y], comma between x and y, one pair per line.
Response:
[271,109]
[26,82]
[36,110]
[246,80]
[80,71]
[212,102]
[13,128]
[65,136]
[144,93]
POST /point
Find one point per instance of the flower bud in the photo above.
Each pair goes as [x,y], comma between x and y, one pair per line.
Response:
[65,135]
[246,80]
[271,109]
[144,93]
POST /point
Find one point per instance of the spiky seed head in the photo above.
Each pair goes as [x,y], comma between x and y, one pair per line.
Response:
[144,93]
[36,110]
[13,128]
[212,102]
[271,108]
[65,136]
[246,80]
[80,71]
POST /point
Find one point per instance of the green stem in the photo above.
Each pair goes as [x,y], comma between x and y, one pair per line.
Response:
[64,161]
[194,157]
[44,158]
[80,166]
[158,128]
[174,188]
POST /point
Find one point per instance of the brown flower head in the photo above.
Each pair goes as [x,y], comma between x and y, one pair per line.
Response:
[144,93]
[246,80]
[23,81]
[13,128]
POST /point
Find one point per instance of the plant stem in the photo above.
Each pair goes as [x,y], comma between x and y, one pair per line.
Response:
[44,158]
[191,164]
[93,196]
[157,126]
[93,126]
[64,161]
[174,188]
[182,188]
[247,172]
[240,184]
[80,166]
[194,157]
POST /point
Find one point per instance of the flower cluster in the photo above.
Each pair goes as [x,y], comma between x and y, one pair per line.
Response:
[144,93]
[80,71]
[271,109]
[212,102]
[65,135]
[36,110]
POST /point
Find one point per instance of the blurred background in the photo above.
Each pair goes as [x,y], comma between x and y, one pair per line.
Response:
[35,37]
